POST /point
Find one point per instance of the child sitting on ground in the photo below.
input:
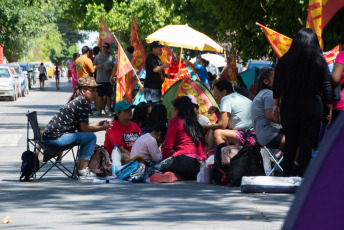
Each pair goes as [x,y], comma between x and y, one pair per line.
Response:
[147,146]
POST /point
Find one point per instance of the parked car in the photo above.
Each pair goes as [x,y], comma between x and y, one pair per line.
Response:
[23,80]
[8,83]
[27,69]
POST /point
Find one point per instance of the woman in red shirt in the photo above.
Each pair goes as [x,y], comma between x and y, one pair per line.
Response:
[185,136]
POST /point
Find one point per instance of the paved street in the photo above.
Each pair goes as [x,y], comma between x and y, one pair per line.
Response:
[60,203]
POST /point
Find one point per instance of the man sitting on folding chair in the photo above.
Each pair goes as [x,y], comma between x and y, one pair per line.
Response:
[269,133]
[71,124]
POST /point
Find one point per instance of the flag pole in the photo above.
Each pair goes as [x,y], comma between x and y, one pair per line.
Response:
[180,61]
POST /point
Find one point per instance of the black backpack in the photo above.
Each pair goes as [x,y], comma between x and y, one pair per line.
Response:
[247,162]
[30,165]
[219,169]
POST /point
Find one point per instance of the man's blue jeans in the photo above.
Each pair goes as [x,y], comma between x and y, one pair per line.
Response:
[87,143]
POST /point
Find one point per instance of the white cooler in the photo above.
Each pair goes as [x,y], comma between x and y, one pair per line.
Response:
[269,184]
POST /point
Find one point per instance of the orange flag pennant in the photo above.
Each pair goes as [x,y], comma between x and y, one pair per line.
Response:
[123,67]
[279,43]
[105,35]
[139,57]
[320,13]
[231,72]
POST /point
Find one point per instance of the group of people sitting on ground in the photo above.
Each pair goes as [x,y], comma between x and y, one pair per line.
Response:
[285,113]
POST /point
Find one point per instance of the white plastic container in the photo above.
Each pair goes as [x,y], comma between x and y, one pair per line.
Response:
[116,160]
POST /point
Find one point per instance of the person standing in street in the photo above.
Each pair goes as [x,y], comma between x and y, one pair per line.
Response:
[337,77]
[42,75]
[301,83]
[129,52]
[74,82]
[154,74]
[84,66]
[107,60]
[96,50]
[57,77]
[69,73]
[201,69]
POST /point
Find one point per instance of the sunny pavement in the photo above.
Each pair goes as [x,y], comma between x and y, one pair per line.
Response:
[57,202]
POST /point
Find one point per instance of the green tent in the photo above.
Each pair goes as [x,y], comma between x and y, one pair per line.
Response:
[202,94]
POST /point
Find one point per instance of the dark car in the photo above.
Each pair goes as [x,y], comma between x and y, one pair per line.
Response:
[28,70]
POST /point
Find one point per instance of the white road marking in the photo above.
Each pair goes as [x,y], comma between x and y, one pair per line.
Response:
[7,140]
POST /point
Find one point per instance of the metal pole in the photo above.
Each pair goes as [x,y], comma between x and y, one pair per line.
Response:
[180,61]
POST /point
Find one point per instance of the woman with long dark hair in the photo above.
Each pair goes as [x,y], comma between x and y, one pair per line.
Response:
[158,114]
[301,76]
[185,136]
[141,113]
[268,132]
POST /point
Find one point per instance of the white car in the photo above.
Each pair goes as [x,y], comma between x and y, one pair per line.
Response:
[22,78]
[8,83]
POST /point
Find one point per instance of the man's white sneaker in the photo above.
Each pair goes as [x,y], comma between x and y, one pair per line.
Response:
[86,173]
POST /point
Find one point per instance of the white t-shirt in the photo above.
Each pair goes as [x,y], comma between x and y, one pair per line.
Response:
[146,147]
[239,108]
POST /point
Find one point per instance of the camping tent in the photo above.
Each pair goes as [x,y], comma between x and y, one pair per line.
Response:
[250,76]
[186,86]
[319,203]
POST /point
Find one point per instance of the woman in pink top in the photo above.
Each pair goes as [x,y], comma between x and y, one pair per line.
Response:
[338,78]
[185,136]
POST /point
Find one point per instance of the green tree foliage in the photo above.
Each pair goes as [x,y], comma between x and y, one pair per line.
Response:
[150,16]
[22,22]
[238,17]
[36,26]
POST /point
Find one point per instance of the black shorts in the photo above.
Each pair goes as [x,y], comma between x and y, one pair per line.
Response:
[42,77]
[105,90]
[276,142]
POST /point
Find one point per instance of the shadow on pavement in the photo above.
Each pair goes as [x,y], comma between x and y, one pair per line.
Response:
[133,204]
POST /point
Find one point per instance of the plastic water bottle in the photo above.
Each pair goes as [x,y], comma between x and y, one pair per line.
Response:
[116,160]
[200,176]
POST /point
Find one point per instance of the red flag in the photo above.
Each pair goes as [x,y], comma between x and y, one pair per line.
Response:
[123,67]
[231,73]
[331,55]
[166,57]
[105,35]
[320,13]
[139,57]
[279,43]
